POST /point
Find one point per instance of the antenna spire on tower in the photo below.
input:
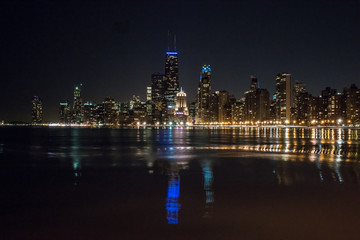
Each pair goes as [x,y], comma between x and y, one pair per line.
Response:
[175,42]
[168,40]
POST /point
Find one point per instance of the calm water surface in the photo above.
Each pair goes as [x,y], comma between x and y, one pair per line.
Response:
[247,183]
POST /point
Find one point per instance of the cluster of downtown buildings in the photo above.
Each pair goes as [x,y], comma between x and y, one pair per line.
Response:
[166,104]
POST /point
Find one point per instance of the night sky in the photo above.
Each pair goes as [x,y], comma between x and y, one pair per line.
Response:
[113,47]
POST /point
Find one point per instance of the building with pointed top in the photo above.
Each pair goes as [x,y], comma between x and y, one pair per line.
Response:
[203,112]
[181,110]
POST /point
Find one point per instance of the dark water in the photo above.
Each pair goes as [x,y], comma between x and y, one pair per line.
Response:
[247,183]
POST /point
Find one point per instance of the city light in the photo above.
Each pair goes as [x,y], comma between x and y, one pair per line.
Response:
[166,102]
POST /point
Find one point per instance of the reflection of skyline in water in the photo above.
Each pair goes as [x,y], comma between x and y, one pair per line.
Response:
[185,171]
[326,141]
[327,149]
[208,184]
[76,160]
[172,200]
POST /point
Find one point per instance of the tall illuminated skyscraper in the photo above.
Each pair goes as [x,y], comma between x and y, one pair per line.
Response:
[78,113]
[181,110]
[36,113]
[283,97]
[65,112]
[203,113]
[157,89]
[257,104]
[171,85]
[109,111]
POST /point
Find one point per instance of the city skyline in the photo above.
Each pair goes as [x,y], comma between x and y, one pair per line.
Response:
[48,50]
[165,100]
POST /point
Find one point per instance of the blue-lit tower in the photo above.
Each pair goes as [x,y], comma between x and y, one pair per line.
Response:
[171,85]
[203,113]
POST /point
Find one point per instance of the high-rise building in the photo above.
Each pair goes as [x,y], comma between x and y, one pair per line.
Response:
[181,105]
[314,109]
[89,113]
[171,85]
[99,114]
[238,111]
[273,108]
[254,83]
[135,102]
[283,97]
[257,103]
[250,100]
[181,109]
[157,96]
[262,105]
[157,88]
[225,101]
[301,113]
[148,93]
[204,96]
[214,107]
[65,112]
[192,111]
[327,106]
[109,111]
[78,113]
[352,101]
[36,112]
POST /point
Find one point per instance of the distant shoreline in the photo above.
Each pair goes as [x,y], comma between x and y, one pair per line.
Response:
[150,126]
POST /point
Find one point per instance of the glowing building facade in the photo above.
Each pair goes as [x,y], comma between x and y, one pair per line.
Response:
[109,111]
[78,111]
[181,110]
[36,113]
[203,114]
[65,112]
[283,97]
[171,84]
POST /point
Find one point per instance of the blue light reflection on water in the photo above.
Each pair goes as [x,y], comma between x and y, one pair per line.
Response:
[209,193]
[172,204]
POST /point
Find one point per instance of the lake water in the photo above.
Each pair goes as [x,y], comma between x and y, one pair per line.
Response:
[243,183]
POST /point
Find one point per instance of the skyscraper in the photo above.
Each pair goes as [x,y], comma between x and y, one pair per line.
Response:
[254,83]
[352,112]
[301,103]
[250,100]
[204,96]
[157,89]
[89,113]
[65,112]
[78,113]
[148,93]
[224,111]
[109,111]
[181,110]
[36,113]
[257,104]
[157,96]
[171,85]
[283,97]
[326,109]
[262,104]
